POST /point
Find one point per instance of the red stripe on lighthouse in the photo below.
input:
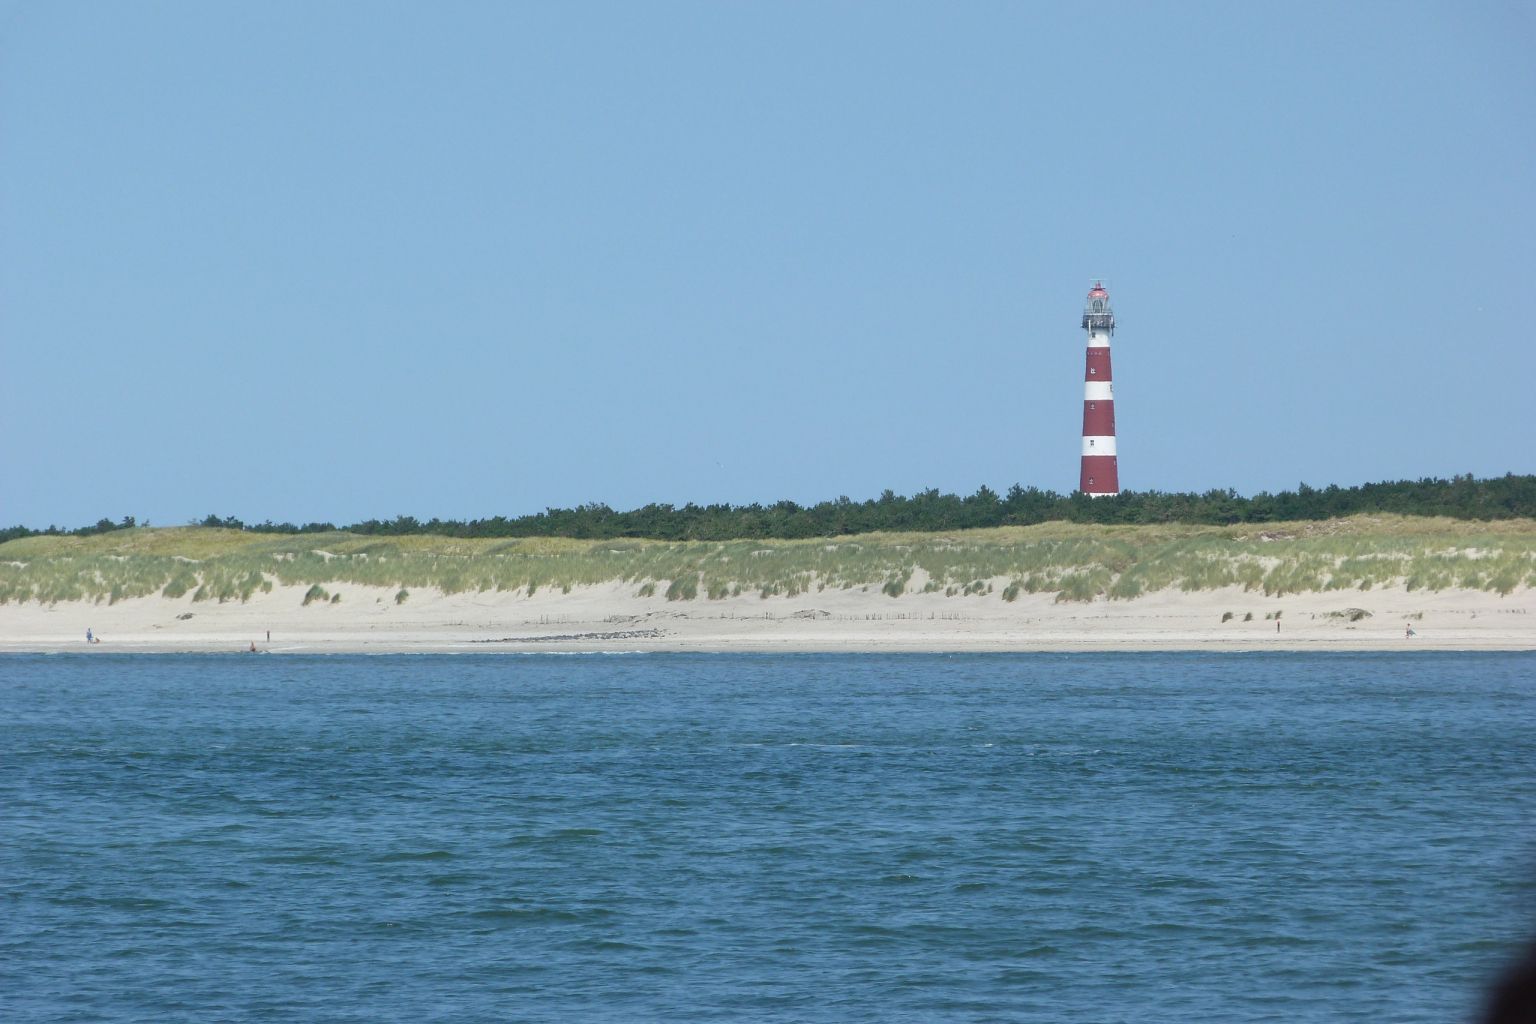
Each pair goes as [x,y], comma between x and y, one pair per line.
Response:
[1098,419]
[1100,475]
[1098,364]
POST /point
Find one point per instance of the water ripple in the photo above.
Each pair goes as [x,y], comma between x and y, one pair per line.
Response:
[802,838]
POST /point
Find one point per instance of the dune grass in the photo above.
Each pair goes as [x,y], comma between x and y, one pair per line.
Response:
[1074,562]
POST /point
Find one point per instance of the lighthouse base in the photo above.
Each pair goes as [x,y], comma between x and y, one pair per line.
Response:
[1100,476]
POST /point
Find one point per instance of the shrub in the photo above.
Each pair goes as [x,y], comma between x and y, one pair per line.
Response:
[1352,614]
[249,584]
[403,596]
[314,593]
[335,599]
[1125,588]
[1078,586]
[684,588]
[1226,616]
[647,589]
[1085,584]
[1505,581]
[179,584]
[1011,591]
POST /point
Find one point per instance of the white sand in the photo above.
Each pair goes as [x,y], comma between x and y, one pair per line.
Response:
[368,620]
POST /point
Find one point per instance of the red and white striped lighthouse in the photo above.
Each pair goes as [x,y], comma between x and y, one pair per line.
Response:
[1101,474]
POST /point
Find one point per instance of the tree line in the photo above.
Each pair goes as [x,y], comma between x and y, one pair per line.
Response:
[1461,497]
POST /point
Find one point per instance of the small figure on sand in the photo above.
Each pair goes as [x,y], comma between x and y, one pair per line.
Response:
[90,637]
[253,646]
[1408,632]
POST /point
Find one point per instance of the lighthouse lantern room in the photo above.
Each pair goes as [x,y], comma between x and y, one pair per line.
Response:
[1100,471]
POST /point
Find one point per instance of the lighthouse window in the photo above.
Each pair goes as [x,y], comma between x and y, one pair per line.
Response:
[1091,370]
[1090,481]
[1093,405]
[1091,442]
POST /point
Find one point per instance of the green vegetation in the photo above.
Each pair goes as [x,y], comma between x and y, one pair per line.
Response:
[1068,561]
[1461,497]
[684,588]
[1352,614]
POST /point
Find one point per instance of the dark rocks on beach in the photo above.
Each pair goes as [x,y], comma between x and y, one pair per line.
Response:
[625,634]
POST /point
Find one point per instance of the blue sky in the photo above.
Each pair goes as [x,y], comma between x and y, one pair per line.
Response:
[335,261]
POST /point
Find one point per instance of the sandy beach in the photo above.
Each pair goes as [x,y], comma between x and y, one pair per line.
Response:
[611,618]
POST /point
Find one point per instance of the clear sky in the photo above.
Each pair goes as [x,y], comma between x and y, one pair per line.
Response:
[343,260]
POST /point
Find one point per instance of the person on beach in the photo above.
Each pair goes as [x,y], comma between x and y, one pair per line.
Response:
[253,646]
[89,638]
[1408,632]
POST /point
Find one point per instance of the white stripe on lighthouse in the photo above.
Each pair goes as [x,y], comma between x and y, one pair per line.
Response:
[1098,391]
[1100,444]
[1098,338]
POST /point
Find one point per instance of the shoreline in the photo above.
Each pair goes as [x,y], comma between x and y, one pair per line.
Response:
[611,618]
[405,650]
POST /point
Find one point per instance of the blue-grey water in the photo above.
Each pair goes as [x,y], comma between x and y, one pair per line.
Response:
[762,838]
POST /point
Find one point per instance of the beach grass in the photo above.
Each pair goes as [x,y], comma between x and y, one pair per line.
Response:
[1073,562]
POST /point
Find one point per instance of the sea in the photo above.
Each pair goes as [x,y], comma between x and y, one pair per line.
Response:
[695,837]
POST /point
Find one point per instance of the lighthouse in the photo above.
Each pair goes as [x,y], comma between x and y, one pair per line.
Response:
[1100,475]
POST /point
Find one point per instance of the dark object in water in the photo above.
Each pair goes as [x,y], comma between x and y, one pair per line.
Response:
[1514,999]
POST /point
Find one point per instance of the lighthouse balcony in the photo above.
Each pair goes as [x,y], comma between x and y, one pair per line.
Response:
[1102,321]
